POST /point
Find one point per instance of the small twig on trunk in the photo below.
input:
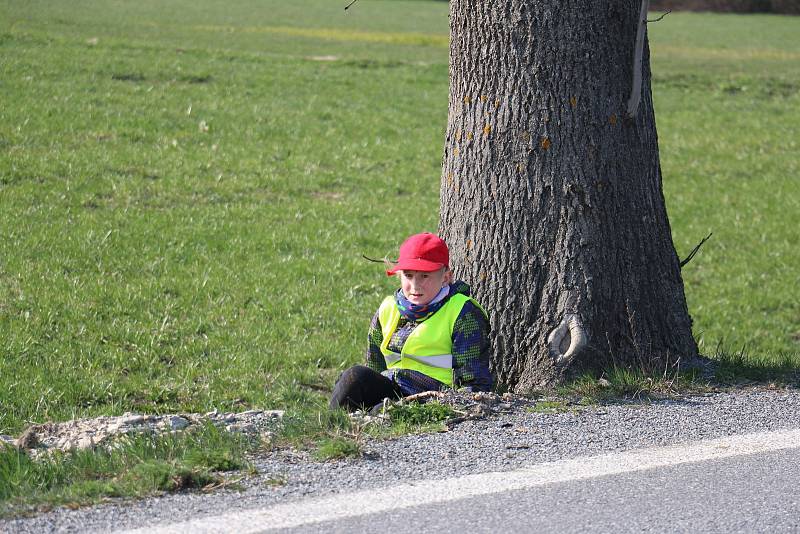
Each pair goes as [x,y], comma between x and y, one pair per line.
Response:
[659,19]
[694,250]
[350,4]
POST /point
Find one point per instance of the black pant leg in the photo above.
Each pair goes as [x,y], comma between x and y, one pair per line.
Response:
[361,387]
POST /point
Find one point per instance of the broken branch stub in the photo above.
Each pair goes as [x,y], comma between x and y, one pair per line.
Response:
[568,338]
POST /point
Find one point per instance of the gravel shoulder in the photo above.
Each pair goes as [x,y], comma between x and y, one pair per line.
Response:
[507,440]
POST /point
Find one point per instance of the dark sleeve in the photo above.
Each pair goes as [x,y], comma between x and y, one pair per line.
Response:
[471,349]
[374,356]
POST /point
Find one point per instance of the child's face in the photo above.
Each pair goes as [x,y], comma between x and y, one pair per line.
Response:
[420,287]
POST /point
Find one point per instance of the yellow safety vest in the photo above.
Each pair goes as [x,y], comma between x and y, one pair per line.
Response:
[429,347]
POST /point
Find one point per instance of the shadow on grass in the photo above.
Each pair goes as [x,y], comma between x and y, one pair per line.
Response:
[724,370]
[740,368]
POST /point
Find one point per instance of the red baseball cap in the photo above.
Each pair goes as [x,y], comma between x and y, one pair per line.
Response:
[422,252]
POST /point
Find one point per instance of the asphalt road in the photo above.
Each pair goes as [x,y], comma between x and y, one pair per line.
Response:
[752,493]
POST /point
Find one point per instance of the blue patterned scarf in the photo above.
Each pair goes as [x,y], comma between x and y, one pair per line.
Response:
[420,312]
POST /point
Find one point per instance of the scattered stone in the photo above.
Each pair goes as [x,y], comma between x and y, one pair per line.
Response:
[104,431]
[129,419]
[175,422]
[466,405]
[486,397]
[479,411]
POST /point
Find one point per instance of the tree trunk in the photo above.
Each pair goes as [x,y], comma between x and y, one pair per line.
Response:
[551,198]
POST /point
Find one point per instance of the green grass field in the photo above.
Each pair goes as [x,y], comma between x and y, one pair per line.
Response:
[186,189]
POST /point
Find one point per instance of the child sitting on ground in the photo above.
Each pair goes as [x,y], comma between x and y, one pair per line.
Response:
[428,336]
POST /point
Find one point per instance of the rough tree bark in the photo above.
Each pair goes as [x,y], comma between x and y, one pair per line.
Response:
[551,196]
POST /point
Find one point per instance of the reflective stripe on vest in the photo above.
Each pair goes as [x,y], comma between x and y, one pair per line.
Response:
[428,347]
[443,361]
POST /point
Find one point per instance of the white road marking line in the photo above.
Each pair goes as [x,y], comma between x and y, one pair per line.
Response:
[313,510]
